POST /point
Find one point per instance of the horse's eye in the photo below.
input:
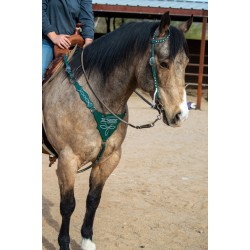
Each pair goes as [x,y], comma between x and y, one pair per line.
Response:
[164,65]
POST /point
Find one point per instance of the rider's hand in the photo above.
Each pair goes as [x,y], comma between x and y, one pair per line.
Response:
[87,41]
[61,40]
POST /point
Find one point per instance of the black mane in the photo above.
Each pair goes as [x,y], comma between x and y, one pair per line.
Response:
[122,45]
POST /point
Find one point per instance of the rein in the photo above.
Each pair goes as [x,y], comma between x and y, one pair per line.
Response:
[149,125]
[158,107]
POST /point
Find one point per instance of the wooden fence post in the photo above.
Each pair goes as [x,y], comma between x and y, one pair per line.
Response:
[201,64]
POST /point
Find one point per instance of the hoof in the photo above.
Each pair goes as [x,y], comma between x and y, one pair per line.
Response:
[87,244]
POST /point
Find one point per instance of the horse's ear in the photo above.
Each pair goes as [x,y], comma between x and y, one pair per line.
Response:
[164,24]
[186,25]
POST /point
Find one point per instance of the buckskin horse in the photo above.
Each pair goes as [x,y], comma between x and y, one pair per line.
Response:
[85,106]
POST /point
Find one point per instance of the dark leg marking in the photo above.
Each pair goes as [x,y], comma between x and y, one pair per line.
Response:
[93,200]
[67,207]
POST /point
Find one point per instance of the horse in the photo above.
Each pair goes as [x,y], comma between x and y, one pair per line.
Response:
[151,56]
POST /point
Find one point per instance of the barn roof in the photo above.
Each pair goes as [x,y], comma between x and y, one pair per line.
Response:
[177,4]
[151,8]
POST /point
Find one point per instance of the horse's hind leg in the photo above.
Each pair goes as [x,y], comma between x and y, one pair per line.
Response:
[98,176]
[66,171]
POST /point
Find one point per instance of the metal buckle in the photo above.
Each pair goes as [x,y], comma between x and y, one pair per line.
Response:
[159,107]
[152,61]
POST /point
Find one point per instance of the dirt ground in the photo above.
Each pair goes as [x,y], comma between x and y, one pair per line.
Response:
[156,198]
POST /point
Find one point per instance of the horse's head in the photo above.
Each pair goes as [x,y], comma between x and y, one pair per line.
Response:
[166,70]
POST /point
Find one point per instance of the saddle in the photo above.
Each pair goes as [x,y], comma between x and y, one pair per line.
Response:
[57,64]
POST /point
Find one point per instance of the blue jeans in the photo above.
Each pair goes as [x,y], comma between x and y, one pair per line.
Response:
[47,55]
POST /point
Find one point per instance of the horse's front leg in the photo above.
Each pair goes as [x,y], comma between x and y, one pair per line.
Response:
[98,176]
[66,172]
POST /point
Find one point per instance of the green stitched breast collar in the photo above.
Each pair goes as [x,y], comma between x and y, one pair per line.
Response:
[106,123]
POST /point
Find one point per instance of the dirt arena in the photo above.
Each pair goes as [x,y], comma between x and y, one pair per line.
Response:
[156,198]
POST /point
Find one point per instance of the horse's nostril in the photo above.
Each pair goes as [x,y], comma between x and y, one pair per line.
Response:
[177,117]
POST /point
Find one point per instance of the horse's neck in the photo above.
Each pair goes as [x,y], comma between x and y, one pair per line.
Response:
[116,91]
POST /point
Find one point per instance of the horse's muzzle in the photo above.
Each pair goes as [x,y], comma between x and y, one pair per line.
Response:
[176,121]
